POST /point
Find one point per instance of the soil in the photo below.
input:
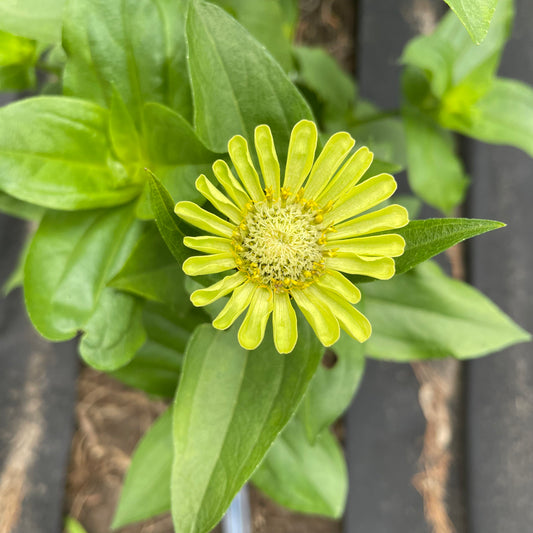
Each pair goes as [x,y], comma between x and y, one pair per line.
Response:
[111,418]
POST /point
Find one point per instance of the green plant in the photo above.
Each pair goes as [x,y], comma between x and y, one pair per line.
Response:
[164,85]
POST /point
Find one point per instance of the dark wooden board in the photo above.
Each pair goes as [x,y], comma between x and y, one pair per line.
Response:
[500,387]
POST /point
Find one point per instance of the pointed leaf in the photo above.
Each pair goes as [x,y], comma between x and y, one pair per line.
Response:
[304,477]
[475,16]
[231,405]
[221,49]
[426,238]
[146,489]
[424,314]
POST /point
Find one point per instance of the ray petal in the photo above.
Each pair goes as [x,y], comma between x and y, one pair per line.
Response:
[226,178]
[319,316]
[208,244]
[336,282]
[218,200]
[252,330]
[302,146]
[268,159]
[239,301]
[390,217]
[195,215]
[198,265]
[391,245]
[351,320]
[212,293]
[371,192]
[240,155]
[351,172]
[381,268]
[327,163]
[284,323]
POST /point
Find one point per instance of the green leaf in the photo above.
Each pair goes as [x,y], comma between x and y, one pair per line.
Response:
[424,314]
[504,115]
[146,489]
[152,272]
[54,152]
[332,388]
[33,19]
[265,21]
[304,477]
[435,172]
[231,405]
[137,47]
[17,78]
[426,238]
[475,16]
[16,278]
[123,133]
[73,526]
[114,332]
[156,367]
[221,49]
[167,222]
[71,258]
[17,57]
[458,70]
[18,208]
[320,73]
[176,155]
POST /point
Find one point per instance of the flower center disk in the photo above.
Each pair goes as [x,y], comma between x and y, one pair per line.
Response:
[277,245]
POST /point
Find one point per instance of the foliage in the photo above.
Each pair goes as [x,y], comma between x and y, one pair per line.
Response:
[163,85]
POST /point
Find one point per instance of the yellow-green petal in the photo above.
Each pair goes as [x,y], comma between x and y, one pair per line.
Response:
[208,244]
[336,282]
[327,163]
[239,301]
[240,155]
[381,268]
[195,215]
[198,265]
[351,320]
[218,200]
[351,172]
[226,178]
[371,192]
[253,326]
[212,293]
[268,159]
[390,217]
[284,323]
[301,155]
[322,320]
[376,246]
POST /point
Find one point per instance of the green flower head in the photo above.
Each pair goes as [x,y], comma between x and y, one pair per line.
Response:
[287,243]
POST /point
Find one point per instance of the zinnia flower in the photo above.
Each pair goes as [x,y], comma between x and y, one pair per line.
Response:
[288,243]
